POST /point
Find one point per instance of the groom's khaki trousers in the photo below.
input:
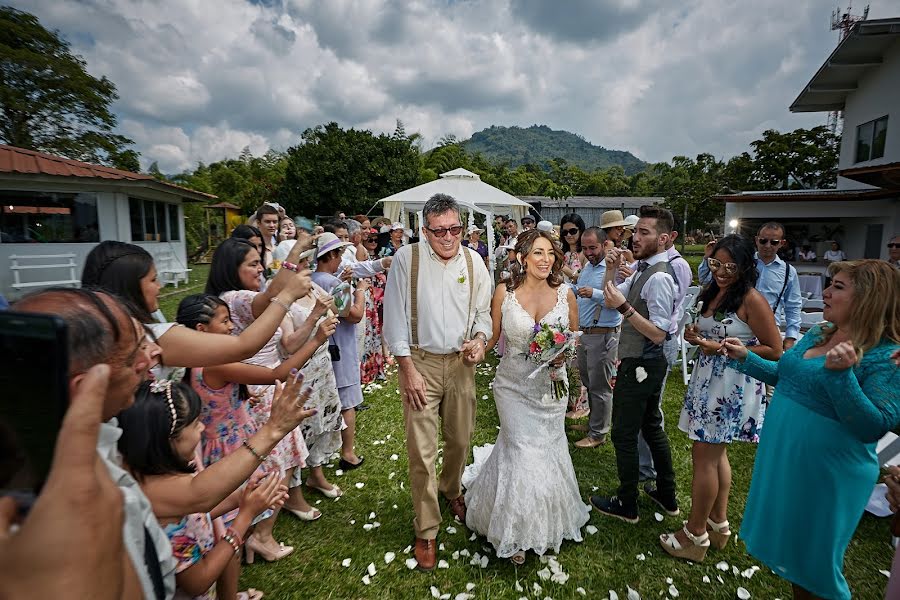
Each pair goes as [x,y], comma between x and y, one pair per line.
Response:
[450,395]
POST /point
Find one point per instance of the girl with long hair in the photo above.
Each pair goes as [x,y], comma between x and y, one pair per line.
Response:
[722,405]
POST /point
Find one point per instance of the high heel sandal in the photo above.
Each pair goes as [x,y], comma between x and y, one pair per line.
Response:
[719,533]
[518,558]
[253,547]
[334,492]
[312,514]
[695,551]
[250,594]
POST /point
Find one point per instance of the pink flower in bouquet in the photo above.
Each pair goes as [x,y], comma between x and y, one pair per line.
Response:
[534,348]
[558,338]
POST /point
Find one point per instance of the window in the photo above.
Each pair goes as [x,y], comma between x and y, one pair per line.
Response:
[153,221]
[870,139]
[40,217]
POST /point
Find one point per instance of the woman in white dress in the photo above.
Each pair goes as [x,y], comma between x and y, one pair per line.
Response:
[522,493]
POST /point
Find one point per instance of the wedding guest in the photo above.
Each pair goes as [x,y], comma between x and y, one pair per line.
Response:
[160,433]
[437,350]
[722,405]
[373,356]
[267,219]
[474,242]
[778,281]
[234,277]
[835,254]
[571,226]
[597,349]
[807,254]
[894,251]
[252,235]
[226,412]
[646,301]
[835,397]
[527,222]
[128,271]
[287,230]
[345,360]
[363,221]
[394,242]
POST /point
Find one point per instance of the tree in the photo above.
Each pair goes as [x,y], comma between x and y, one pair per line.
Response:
[803,158]
[48,100]
[688,186]
[336,169]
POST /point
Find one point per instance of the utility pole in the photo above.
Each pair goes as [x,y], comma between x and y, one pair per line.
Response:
[843,22]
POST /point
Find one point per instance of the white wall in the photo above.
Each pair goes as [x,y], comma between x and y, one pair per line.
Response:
[878,95]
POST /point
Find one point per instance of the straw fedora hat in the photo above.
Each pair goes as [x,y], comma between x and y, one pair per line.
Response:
[612,218]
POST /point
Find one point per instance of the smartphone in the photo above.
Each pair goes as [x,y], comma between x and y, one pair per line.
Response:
[34,384]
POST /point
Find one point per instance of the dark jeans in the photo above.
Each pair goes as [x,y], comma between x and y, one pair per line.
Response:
[636,409]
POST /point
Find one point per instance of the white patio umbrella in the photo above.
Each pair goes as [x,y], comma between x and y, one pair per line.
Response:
[472,194]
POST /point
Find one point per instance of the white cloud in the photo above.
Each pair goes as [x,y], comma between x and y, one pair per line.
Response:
[200,81]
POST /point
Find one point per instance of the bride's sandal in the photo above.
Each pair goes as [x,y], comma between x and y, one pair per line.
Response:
[719,533]
[518,558]
[695,551]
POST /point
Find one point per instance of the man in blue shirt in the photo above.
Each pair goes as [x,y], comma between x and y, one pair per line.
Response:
[599,339]
[777,280]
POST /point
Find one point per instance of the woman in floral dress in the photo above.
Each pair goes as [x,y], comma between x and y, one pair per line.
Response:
[372,359]
[722,404]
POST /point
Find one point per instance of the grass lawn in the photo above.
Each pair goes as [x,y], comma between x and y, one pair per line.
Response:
[607,560]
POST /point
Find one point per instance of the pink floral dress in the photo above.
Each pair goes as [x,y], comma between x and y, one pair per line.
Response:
[372,358]
[191,539]
[291,451]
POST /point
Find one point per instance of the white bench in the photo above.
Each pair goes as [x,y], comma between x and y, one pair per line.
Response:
[170,270]
[23,263]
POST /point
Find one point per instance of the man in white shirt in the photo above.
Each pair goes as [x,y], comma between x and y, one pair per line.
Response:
[436,323]
[894,251]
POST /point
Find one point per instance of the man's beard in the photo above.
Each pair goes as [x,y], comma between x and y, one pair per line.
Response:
[648,248]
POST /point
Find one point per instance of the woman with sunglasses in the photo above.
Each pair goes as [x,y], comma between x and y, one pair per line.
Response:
[571,227]
[722,404]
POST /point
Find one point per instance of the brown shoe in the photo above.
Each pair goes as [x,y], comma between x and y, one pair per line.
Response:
[458,508]
[578,427]
[589,442]
[426,554]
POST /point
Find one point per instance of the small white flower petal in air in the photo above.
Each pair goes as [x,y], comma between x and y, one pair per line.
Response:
[640,374]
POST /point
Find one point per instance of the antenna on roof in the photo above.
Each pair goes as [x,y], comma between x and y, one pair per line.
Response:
[843,23]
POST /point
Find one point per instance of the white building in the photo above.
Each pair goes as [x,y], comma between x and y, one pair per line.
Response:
[861,78]
[59,209]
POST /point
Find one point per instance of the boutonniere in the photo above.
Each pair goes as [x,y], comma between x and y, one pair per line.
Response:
[461,279]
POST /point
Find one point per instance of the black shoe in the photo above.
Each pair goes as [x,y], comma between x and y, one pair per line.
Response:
[363,406]
[349,466]
[614,507]
[668,503]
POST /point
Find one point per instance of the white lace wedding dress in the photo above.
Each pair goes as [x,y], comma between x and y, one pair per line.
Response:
[521,493]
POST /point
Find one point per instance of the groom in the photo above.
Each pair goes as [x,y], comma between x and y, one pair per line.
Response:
[436,323]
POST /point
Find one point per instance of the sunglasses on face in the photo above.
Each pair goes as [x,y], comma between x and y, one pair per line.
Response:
[371,239]
[765,241]
[442,231]
[893,245]
[715,265]
[570,231]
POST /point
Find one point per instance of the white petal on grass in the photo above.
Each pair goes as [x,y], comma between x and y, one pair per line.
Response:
[346,562]
[536,588]
[394,507]
[885,573]
[581,591]
[613,595]
[360,485]
[371,515]
[473,537]
[401,485]
[376,524]
[462,596]
[470,586]
[366,579]
[339,472]
[451,529]
[560,578]
[441,547]
[411,563]
[735,571]
[722,566]
[484,397]
[443,564]
[673,591]
[318,502]
[706,579]
[389,557]
[391,475]
[748,573]
[455,555]
[394,457]
[641,557]
[407,549]
[658,517]
[720,580]
[445,596]
[743,594]
[519,587]
[669,580]
[632,594]
[435,593]
[544,574]
[591,529]
[465,552]
[368,527]
[353,521]
[484,562]
[640,374]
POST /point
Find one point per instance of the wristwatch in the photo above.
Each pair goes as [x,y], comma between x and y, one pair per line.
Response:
[482,338]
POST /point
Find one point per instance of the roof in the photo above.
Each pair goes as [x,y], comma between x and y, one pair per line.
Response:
[466,187]
[605,202]
[883,176]
[227,205]
[807,195]
[20,161]
[861,51]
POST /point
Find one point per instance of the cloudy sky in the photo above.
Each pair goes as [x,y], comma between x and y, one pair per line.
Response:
[201,79]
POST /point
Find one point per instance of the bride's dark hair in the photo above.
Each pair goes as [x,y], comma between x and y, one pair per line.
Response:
[524,244]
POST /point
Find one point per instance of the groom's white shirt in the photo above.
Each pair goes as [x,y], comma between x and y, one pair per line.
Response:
[443,301]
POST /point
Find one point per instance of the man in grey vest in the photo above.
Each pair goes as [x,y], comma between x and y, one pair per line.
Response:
[646,302]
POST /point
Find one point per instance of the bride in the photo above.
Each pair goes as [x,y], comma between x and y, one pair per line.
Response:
[521,493]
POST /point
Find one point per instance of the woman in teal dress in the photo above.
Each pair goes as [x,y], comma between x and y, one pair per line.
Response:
[835,397]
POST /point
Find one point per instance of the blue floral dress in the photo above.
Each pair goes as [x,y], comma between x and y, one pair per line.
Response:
[721,404]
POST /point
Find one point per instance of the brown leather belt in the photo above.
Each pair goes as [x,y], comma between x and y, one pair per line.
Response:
[592,330]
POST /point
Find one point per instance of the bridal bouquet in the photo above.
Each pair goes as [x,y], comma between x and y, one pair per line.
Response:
[547,344]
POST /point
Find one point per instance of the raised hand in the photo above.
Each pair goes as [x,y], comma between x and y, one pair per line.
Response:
[612,297]
[843,356]
[734,348]
[708,249]
[326,329]
[324,303]
[287,405]
[269,492]
[299,284]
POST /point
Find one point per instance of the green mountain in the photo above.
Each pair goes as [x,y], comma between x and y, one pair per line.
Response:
[538,144]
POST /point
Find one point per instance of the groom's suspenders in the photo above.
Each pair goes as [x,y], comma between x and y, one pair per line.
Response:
[414,289]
